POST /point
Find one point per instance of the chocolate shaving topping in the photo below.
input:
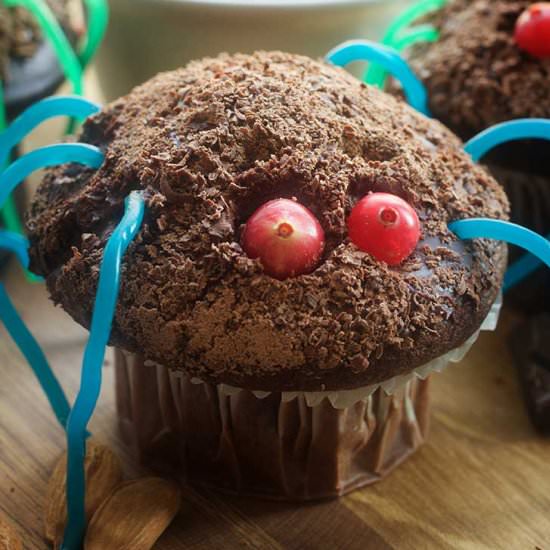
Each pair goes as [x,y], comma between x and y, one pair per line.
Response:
[476,75]
[208,145]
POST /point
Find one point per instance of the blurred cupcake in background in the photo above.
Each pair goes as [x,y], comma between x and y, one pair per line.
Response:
[488,61]
[29,69]
[43,43]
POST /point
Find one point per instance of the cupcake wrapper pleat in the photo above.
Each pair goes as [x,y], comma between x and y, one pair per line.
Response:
[265,447]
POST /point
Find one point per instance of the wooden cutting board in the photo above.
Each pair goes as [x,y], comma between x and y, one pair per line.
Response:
[481,481]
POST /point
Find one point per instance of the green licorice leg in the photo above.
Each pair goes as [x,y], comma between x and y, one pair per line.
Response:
[403,21]
[375,75]
[98,17]
[423,33]
[9,211]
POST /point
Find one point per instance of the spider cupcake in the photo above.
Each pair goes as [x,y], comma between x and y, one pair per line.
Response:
[300,253]
[483,63]
[295,241]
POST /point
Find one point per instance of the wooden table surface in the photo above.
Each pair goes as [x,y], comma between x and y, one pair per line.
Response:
[481,481]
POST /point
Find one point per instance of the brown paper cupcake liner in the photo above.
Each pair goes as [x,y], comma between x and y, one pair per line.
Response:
[286,446]
[264,446]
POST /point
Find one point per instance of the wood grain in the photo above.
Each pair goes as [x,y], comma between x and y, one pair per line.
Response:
[481,481]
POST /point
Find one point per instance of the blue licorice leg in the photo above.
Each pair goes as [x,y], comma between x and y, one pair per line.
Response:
[9,180]
[524,128]
[35,357]
[90,384]
[24,339]
[23,125]
[52,107]
[16,244]
[391,61]
[483,228]
[480,145]
[51,155]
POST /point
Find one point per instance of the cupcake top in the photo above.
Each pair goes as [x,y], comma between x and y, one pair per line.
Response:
[476,74]
[20,35]
[211,143]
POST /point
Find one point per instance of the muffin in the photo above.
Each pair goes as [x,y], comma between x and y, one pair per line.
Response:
[30,71]
[529,196]
[20,35]
[28,65]
[292,388]
[476,74]
[483,71]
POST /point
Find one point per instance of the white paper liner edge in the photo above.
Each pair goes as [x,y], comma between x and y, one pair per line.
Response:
[342,399]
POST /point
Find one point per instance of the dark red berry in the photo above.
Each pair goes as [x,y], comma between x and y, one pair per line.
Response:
[385,226]
[286,237]
[532,31]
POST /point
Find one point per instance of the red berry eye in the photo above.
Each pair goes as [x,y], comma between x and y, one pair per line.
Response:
[385,226]
[532,32]
[286,237]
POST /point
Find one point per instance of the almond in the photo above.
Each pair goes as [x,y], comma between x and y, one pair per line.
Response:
[134,516]
[103,474]
[9,539]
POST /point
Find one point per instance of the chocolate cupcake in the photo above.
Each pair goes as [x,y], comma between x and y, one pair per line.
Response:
[29,68]
[297,386]
[20,35]
[476,73]
[491,64]
[529,196]
[29,71]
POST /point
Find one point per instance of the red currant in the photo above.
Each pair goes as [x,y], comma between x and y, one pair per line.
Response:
[286,237]
[532,31]
[385,226]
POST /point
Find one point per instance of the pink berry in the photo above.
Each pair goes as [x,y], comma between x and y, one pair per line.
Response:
[385,226]
[532,31]
[286,237]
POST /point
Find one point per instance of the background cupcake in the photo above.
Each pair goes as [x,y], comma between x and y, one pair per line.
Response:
[41,44]
[29,69]
[20,35]
[227,375]
[491,64]
[476,73]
